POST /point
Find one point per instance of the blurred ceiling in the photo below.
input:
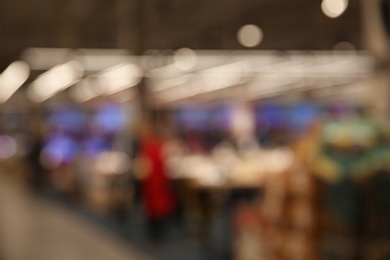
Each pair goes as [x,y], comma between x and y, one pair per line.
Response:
[139,25]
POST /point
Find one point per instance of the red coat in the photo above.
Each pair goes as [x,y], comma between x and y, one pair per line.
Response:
[156,187]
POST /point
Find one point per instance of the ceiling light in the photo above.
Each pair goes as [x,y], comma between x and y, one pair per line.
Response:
[250,35]
[54,81]
[12,79]
[334,8]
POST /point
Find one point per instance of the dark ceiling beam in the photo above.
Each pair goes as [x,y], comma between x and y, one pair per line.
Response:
[73,15]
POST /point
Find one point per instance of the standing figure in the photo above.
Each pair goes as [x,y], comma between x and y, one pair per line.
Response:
[156,187]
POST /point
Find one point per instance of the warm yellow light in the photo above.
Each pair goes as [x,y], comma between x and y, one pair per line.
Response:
[54,81]
[185,59]
[119,78]
[12,79]
[334,8]
[250,35]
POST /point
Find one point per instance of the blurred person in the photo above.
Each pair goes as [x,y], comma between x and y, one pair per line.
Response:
[156,188]
[123,186]
[38,172]
[243,128]
[35,147]
[343,168]
[242,136]
[134,154]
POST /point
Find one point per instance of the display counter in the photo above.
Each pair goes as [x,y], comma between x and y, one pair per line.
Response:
[225,169]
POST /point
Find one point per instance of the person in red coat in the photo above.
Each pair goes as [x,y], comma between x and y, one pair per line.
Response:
[156,187]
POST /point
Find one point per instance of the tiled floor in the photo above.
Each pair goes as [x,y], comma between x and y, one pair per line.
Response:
[35,229]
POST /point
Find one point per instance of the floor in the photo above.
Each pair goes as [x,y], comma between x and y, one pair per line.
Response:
[47,227]
[177,243]
[38,229]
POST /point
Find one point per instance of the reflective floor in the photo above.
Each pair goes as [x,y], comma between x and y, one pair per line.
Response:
[35,229]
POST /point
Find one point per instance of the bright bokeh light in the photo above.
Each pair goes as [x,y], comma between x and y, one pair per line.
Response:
[119,78]
[222,77]
[54,81]
[112,162]
[280,160]
[334,8]
[106,84]
[208,80]
[185,59]
[8,147]
[85,90]
[250,35]
[12,79]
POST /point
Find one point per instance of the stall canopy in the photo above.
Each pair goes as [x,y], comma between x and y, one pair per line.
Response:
[172,76]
